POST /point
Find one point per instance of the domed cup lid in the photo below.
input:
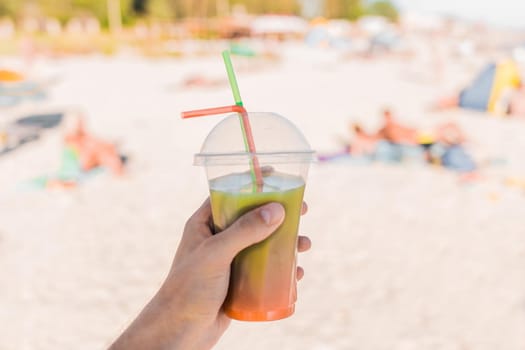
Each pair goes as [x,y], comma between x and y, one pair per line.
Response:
[276,140]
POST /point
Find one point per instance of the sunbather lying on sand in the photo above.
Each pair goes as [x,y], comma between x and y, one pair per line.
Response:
[396,132]
[395,142]
[92,151]
[82,154]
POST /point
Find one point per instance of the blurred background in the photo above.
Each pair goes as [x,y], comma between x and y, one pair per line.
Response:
[415,108]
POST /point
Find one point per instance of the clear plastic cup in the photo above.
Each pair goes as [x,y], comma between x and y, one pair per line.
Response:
[263,276]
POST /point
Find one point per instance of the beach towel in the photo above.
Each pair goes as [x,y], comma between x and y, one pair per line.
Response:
[16,92]
[27,129]
[70,173]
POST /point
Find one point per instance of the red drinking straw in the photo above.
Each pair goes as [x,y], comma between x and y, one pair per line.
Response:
[249,144]
[210,111]
[247,133]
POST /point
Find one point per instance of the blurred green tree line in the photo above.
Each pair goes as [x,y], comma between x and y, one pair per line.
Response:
[130,10]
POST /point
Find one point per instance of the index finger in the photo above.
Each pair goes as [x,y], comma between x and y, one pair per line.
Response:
[203,214]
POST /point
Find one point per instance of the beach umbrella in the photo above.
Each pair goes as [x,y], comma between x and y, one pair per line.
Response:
[486,90]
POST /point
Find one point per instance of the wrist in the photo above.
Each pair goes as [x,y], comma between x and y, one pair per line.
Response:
[174,324]
[162,325]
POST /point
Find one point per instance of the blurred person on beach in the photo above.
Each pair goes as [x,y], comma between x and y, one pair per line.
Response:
[186,312]
[387,144]
[446,141]
[92,151]
[398,142]
[82,154]
[395,132]
[449,147]
[395,142]
[443,145]
[517,102]
[363,143]
[28,52]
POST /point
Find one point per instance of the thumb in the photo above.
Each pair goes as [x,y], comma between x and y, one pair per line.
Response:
[249,229]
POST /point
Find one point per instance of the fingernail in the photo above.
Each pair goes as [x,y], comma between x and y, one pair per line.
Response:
[272,213]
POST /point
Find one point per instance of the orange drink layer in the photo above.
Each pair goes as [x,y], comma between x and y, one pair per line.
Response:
[263,276]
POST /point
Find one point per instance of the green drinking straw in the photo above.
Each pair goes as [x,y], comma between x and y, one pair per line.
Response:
[255,169]
[231,77]
[249,145]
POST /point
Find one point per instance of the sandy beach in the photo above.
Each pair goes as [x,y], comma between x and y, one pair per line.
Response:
[404,257]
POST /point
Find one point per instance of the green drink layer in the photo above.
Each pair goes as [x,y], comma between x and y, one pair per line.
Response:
[262,275]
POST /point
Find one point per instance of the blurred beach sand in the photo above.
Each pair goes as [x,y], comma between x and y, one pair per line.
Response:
[404,256]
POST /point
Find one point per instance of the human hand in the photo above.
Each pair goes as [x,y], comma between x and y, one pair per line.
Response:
[186,312]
